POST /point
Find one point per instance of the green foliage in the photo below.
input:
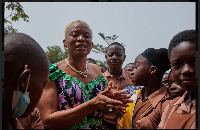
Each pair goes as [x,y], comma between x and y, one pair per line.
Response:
[9,29]
[97,48]
[56,54]
[17,12]
[108,39]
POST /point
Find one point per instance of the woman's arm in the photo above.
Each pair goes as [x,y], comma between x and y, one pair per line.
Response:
[59,119]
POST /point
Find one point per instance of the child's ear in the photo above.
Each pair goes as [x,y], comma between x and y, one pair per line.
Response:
[124,57]
[153,69]
[23,80]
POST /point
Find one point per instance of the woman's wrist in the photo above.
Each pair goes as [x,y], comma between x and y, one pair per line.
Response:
[92,104]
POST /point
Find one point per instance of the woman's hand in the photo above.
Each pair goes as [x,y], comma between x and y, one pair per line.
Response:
[118,95]
[109,98]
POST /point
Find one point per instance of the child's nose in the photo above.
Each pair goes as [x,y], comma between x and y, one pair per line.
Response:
[187,70]
[114,57]
[132,72]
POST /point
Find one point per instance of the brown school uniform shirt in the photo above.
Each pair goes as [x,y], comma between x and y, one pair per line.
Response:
[119,84]
[179,116]
[147,112]
[32,121]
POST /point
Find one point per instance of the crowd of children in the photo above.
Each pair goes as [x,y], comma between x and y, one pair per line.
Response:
[143,95]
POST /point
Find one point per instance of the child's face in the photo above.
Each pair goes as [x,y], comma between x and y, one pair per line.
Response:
[174,89]
[141,71]
[115,56]
[129,68]
[182,61]
[164,79]
[102,69]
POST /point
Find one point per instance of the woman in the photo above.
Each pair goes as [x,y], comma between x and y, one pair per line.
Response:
[72,97]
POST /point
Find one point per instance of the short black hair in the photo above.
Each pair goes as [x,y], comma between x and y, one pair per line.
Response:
[116,43]
[24,49]
[91,60]
[129,64]
[184,36]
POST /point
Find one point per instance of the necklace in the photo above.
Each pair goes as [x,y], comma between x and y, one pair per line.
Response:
[83,74]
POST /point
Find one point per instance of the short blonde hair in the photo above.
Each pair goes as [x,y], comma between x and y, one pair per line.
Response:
[78,20]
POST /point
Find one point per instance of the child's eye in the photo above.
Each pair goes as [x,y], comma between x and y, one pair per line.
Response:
[169,83]
[119,55]
[193,62]
[135,67]
[176,65]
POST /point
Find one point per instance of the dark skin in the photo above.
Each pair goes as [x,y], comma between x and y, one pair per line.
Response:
[129,68]
[102,69]
[183,67]
[174,89]
[19,74]
[143,70]
[78,40]
[115,57]
[79,44]
[164,79]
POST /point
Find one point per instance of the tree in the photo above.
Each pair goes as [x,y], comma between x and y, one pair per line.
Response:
[55,53]
[100,48]
[17,12]
[108,39]
[97,48]
[9,29]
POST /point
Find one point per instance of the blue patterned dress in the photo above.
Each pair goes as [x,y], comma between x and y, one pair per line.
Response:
[72,92]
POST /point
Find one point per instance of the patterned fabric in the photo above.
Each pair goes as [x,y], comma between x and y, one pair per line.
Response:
[131,89]
[72,92]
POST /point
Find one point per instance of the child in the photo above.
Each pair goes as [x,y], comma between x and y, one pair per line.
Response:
[103,68]
[164,79]
[115,56]
[149,68]
[129,67]
[173,88]
[90,60]
[25,61]
[181,112]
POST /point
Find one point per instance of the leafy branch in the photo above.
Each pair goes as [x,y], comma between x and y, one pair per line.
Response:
[17,12]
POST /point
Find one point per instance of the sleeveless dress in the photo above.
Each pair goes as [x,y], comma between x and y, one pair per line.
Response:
[72,92]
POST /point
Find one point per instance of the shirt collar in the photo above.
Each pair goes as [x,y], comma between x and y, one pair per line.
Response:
[182,99]
[182,106]
[155,97]
[122,76]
